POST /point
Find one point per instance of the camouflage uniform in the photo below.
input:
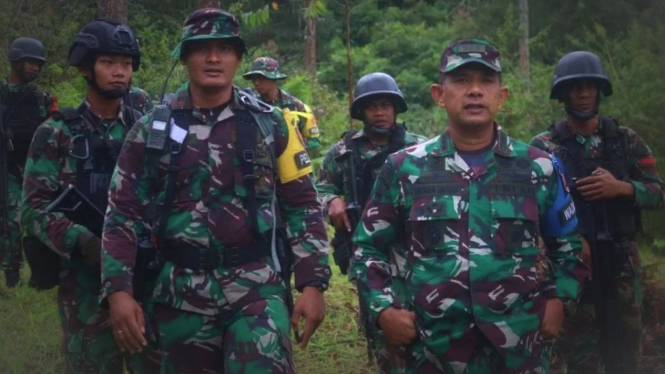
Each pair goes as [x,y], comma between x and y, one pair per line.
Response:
[24,108]
[140,100]
[578,348]
[473,270]
[332,182]
[88,343]
[224,319]
[306,120]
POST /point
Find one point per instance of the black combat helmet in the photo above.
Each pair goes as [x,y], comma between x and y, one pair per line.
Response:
[579,65]
[376,84]
[105,36]
[26,48]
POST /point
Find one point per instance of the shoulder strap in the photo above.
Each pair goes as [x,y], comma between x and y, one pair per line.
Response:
[246,132]
[180,118]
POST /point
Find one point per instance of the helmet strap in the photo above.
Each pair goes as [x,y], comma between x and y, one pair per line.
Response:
[112,94]
[583,116]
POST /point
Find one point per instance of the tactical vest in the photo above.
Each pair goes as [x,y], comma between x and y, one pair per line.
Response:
[254,126]
[367,169]
[95,158]
[622,217]
[20,119]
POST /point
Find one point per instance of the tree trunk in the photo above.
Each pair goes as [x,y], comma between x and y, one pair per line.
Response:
[210,4]
[524,39]
[310,45]
[349,63]
[113,9]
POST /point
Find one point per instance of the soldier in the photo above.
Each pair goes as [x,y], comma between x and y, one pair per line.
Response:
[605,162]
[138,99]
[226,173]
[265,74]
[469,206]
[22,108]
[78,148]
[377,102]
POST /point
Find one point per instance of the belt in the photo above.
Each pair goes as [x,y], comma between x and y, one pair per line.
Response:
[209,259]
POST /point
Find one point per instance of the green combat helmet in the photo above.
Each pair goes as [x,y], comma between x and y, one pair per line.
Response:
[210,23]
[267,67]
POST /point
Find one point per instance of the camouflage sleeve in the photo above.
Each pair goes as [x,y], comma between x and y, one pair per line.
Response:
[373,239]
[562,250]
[40,183]
[148,103]
[539,143]
[330,180]
[649,187]
[301,212]
[123,225]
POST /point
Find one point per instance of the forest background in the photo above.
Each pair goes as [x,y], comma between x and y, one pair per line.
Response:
[403,38]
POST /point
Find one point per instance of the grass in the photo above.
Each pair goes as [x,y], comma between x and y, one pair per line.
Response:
[30,333]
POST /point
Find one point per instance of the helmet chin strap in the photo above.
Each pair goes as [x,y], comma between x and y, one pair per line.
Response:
[584,116]
[25,77]
[113,94]
[376,130]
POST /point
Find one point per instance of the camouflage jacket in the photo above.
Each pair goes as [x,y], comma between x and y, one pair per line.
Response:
[208,212]
[51,168]
[140,100]
[333,176]
[24,107]
[308,129]
[649,187]
[473,262]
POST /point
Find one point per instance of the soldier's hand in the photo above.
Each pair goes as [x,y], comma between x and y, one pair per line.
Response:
[312,307]
[398,325]
[554,313]
[337,214]
[602,185]
[127,322]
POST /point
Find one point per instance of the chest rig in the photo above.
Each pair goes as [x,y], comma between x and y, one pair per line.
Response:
[367,169]
[253,125]
[20,112]
[623,218]
[95,152]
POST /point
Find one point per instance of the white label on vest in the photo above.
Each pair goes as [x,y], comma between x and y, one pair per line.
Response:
[178,134]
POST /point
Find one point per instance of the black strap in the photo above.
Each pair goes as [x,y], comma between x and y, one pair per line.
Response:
[209,259]
[246,132]
[181,118]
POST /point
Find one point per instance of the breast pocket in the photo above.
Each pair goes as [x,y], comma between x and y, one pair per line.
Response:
[434,225]
[515,226]
[263,174]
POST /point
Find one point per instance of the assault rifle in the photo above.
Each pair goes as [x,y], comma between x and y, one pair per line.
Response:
[79,209]
[342,245]
[606,256]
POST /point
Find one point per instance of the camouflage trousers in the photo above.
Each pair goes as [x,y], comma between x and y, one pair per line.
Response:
[389,360]
[253,340]
[88,344]
[11,257]
[484,359]
[576,352]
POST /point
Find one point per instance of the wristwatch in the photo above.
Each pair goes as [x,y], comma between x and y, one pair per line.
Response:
[319,285]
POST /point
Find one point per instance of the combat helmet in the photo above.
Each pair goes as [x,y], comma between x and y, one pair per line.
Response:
[579,65]
[105,36]
[375,84]
[26,48]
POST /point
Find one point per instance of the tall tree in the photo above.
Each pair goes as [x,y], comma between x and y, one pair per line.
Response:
[113,9]
[524,39]
[313,10]
[349,62]
[210,4]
